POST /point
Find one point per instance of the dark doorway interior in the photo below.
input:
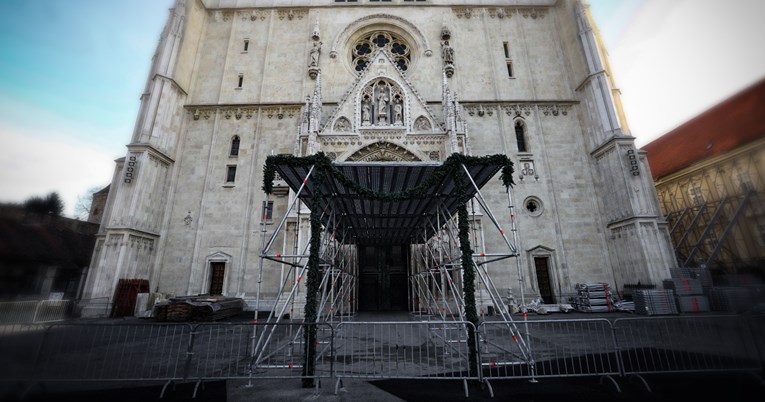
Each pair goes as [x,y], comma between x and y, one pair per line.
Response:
[382,278]
[542,266]
[217,273]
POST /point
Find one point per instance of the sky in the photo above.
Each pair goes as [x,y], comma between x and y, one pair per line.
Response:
[72,73]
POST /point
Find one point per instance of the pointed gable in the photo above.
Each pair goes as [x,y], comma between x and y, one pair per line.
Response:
[381,98]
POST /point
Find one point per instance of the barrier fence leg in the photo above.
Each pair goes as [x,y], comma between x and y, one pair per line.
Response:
[338,384]
[488,385]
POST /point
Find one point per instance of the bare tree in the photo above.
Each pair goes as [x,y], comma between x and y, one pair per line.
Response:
[82,206]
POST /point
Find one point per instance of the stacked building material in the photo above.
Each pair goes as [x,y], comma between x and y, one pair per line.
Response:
[593,298]
[689,294]
[198,308]
[655,302]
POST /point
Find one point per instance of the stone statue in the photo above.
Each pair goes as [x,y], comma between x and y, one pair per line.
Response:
[315,51]
[365,113]
[447,53]
[382,107]
[397,113]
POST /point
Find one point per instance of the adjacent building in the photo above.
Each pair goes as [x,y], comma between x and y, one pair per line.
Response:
[713,191]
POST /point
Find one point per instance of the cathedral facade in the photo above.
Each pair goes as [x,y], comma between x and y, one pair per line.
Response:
[397,81]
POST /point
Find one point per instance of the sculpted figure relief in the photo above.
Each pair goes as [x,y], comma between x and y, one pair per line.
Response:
[314,58]
[382,107]
[365,113]
[397,113]
[447,53]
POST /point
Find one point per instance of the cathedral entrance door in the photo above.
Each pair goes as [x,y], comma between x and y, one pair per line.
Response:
[541,264]
[382,278]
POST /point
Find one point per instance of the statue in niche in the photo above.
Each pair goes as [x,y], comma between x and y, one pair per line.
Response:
[365,113]
[315,52]
[397,119]
[382,107]
[447,53]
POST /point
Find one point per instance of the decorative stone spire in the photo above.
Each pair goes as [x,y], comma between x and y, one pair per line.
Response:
[303,130]
[315,116]
[449,114]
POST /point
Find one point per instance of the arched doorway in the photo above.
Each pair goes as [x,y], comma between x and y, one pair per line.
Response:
[383,280]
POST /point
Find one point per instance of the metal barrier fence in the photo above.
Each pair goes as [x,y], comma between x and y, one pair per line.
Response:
[558,348]
[689,344]
[35,311]
[262,350]
[18,346]
[160,352]
[113,352]
[434,350]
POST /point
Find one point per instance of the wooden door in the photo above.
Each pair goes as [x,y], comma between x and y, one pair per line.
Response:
[125,295]
[382,284]
[542,267]
[217,274]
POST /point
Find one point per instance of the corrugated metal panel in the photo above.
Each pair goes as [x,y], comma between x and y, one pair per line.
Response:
[362,220]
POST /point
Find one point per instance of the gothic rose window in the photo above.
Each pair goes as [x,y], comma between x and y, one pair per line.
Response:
[367,46]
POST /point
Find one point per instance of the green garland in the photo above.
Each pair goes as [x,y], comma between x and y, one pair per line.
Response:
[322,163]
[468,273]
[313,281]
[325,169]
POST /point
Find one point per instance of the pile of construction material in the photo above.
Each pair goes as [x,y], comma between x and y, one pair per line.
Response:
[539,307]
[593,297]
[198,308]
[655,302]
[689,294]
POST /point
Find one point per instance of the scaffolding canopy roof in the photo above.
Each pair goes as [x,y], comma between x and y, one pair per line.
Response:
[354,218]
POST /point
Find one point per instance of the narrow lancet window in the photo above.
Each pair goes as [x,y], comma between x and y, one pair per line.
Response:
[234,146]
[520,136]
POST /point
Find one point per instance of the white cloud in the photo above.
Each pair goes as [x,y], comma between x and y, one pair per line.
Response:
[31,166]
[679,58]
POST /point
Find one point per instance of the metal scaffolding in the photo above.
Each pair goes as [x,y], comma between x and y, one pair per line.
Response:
[429,226]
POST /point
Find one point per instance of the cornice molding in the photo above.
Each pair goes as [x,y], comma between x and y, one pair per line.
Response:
[468,12]
[522,109]
[242,112]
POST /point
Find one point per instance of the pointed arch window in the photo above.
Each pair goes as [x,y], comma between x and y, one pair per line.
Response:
[234,146]
[520,135]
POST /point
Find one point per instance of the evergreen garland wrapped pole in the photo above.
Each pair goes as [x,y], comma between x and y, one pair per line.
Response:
[312,285]
[468,272]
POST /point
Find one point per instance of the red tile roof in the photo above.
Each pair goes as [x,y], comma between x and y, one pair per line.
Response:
[734,122]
